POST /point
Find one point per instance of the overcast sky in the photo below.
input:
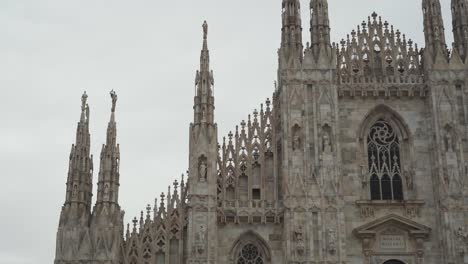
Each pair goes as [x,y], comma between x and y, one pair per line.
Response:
[148,51]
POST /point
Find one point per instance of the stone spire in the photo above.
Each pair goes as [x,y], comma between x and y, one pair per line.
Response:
[319,23]
[108,182]
[460,27]
[434,31]
[291,36]
[204,83]
[80,172]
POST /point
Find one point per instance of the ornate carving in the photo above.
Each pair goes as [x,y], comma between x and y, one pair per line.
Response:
[461,235]
[326,143]
[296,141]
[300,240]
[331,241]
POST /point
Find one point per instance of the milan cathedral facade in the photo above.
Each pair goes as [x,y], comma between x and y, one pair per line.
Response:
[359,157]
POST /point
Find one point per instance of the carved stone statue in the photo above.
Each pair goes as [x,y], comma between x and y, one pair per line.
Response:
[462,238]
[364,176]
[326,143]
[300,240]
[202,170]
[448,142]
[296,142]
[409,177]
[200,240]
[197,78]
[331,240]
[84,98]
[113,95]
[205,30]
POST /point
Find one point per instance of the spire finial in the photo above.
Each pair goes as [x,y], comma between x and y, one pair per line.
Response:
[205,30]
[113,95]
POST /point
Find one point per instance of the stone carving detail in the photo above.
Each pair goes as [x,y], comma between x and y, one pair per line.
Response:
[296,138]
[326,141]
[448,140]
[300,240]
[331,241]
[461,239]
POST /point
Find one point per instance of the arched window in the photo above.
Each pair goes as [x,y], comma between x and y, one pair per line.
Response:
[250,254]
[383,150]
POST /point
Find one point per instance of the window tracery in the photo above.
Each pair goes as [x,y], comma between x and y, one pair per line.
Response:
[250,254]
[383,150]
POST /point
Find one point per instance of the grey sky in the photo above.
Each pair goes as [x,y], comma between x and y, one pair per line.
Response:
[148,51]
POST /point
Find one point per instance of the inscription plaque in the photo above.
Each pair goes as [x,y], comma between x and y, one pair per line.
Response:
[392,242]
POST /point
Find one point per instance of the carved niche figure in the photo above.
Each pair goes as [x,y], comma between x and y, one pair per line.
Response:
[449,147]
[364,176]
[296,138]
[296,142]
[200,240]
[331,241]
[300,240]
[326,143]
[202,169]
[462,237]
[409,177]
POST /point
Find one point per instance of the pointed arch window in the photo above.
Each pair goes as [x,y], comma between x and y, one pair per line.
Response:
[383,150]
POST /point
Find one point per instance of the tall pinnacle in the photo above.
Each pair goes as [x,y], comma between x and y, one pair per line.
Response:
[319,23]
[204,81]
[79,183]
[460,27]
[109,176]
[291,34]
[434,31]
[205,53]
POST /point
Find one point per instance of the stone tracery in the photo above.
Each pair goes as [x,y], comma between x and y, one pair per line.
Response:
[384,162]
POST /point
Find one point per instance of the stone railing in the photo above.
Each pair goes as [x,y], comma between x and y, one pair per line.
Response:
[250,211]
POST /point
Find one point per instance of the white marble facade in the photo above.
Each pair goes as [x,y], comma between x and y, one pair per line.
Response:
[358,157]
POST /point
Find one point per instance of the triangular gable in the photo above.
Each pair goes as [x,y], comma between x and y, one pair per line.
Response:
[412,227]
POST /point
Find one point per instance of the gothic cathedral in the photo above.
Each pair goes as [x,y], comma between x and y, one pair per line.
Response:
[359,157]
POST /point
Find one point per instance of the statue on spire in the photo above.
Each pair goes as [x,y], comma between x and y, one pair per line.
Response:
[205,30]
[113,95]
[84,98]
